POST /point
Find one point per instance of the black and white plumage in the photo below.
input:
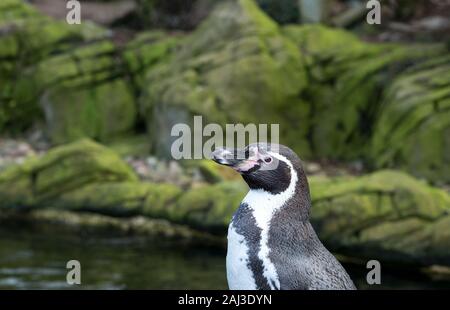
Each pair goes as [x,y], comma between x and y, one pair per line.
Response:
[271,243]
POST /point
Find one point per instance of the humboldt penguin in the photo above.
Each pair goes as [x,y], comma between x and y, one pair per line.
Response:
[271,242]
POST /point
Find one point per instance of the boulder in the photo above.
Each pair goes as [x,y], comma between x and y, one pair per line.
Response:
[413,129]
[235,67]
[26,37]
[209,207]
[64,169]
[91,91]
[85,176]
[71,76]
[330,92]
[387,215]
[83,93]
[347,79]
[146,50]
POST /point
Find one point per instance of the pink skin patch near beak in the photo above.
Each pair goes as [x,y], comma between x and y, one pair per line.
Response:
[246,165]
[251,162]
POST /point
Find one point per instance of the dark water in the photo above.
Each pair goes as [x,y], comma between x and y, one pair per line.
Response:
[35,260]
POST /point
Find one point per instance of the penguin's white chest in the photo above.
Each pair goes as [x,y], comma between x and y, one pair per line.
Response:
[262,206]
[239,275]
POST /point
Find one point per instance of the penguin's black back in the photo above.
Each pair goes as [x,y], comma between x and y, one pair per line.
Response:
[301,260]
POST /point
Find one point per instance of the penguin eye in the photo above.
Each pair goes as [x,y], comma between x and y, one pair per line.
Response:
[246,154]
[268,160]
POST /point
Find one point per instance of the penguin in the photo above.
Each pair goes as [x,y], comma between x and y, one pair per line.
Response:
[271,242]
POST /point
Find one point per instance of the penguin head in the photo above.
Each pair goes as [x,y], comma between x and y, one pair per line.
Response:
[262,165]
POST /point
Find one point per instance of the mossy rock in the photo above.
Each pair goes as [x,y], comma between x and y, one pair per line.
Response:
[82,93]
[101,112]
[413,130]
[211,172]
[148,49]
[85,176]
[63,169]
[120,198]
[235,67]
[130,145]
[209,207]
[71,76]
[387,215]
[27,36]
[347,79]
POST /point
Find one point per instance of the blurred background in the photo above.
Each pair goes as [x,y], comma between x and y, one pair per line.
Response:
[86,112]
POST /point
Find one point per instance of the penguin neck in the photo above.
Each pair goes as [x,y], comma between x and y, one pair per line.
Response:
[295,200]
[301,202]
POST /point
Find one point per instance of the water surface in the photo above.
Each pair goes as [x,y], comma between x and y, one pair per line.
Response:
[37,260]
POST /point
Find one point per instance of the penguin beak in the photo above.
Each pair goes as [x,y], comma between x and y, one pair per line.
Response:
[226,157]
[235,159]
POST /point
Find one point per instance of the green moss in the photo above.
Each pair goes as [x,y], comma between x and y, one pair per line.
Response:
[236,67]
[120,198]
[208,207]
[439,238]
[322,85]
[318,43]
[130,145]
[387,214]
[82,93]
[160,199]
[214,173]
[414,125]
[29,37]
[114,198]
[347,79]
[74,77]
[148,49]
[100,112]
[209,172]
[62,170]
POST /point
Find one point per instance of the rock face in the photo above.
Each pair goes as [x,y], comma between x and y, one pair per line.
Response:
[387,215]
[413,131]
[236,67]
[334,96]
[91,91]
[148,49]
[83,94]
[347,81]
[85,176]
[26,37]
[72,76]
[64,169]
